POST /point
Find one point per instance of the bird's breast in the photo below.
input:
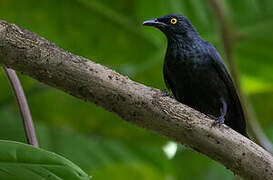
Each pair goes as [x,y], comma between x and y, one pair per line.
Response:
[191,71]
[195,82]
[190,60]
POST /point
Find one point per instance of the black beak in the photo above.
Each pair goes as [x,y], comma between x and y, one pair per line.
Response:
[153,22]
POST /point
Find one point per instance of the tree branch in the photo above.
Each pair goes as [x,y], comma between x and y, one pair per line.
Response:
[136,103]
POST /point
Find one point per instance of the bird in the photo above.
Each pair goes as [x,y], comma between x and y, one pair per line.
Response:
[196,75]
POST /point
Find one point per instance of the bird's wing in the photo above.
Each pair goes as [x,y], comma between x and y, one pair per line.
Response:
[224,75]
[166,77]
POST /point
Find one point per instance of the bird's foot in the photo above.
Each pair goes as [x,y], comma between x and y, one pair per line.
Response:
[217,120]
[165,93]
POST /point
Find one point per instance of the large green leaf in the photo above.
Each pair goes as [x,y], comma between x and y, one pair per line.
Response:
[20,161]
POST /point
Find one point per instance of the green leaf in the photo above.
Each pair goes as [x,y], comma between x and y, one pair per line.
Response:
[24,162]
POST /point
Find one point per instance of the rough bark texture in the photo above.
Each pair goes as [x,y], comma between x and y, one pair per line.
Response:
[136,103]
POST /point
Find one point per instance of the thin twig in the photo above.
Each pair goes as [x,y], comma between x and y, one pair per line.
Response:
[23,106]
[228,41]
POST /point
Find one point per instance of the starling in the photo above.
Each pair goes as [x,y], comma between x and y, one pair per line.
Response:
[195,73]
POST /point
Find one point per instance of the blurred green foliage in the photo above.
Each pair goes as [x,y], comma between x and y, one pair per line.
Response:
[109,32]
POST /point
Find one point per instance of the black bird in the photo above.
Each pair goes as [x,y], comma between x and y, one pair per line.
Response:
[196,74]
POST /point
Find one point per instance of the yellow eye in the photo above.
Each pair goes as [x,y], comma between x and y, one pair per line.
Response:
[173,20]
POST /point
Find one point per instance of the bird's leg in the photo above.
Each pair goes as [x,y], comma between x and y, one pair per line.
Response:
[221,119]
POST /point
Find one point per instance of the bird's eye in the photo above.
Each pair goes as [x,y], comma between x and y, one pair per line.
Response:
[173,21]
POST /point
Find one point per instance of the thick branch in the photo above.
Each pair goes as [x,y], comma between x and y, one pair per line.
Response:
[133,102]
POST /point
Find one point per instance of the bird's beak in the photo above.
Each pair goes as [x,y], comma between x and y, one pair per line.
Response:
[153,22]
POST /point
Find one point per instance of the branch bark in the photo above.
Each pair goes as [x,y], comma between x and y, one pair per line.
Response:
[136,103]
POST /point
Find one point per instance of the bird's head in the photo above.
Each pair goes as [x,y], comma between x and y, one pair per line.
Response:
[172,25]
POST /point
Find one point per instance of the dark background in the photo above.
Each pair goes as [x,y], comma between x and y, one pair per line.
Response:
[109,32]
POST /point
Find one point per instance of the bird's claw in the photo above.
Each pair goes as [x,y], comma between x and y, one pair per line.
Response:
[218,121]
[166,94]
